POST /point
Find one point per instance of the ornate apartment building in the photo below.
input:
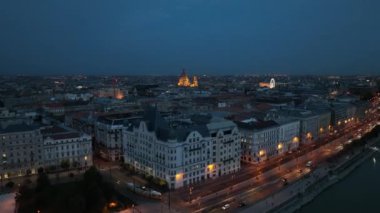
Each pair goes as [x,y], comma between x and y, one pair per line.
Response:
[182,151]
[25,148]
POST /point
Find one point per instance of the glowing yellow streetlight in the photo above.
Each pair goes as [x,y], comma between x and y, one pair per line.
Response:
[261,153]
[296,139]
[179,176]
[279,146]
[112,204]
[210,167]
[309,135]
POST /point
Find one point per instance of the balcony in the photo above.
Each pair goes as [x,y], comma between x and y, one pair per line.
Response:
[228,142]
[195,149]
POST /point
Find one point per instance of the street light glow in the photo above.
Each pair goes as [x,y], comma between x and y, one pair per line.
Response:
[210,167]
[279,146]
[112,204]
[178,176]
[296,139]
[309,135]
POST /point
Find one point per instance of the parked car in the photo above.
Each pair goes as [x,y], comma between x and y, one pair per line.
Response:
[284,181]
[226,206]
[309,164]
[242,204]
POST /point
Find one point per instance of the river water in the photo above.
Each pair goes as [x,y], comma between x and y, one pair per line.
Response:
[357,192]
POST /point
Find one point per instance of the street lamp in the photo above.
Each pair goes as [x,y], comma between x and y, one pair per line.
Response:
[309,135]
[85,162]
[190,193]
[3,162]
[298,155]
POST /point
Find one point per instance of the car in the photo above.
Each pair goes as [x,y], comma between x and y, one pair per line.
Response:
[284,181]
[309,164]
[226,206]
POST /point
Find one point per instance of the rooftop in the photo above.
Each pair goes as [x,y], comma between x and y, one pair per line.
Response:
[18,128]
[257,125]
[179,129]
[57,133]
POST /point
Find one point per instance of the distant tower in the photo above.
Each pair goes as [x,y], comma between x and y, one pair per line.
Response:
[195,81]
[117,93]
[183,80]
[114,82]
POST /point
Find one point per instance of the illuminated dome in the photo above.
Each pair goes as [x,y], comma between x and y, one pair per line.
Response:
[184,80]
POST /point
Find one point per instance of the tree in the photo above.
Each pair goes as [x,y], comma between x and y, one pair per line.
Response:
[51,168]
[92,175]
[27,182]
[75,164]
[76,203]
[43,182]
[40,170]
[10,184]
[65,164]
[25,192]
[94,197]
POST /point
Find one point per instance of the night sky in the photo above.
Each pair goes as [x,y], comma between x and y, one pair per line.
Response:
[204,36]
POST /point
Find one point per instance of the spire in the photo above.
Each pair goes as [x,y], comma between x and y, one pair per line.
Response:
[184,80]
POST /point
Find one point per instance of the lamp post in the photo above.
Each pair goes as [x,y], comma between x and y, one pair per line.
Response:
[85,162]
[169,200]
[190,193]
[298,155]
[3,162]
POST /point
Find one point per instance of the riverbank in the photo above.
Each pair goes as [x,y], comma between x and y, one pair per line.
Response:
[323,183]
[305,189]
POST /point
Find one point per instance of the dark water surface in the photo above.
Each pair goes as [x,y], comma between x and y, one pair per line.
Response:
[359,192]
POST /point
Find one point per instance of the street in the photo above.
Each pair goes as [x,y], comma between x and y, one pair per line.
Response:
[258,181]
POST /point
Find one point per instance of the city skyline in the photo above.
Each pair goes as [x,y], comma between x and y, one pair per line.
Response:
[213,38]
[189,106]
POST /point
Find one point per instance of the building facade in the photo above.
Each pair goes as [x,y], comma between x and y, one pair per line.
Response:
[288,135]
[25,148]
[262,140]
[182,152]
[324,122]
[109,137]
[21,149]
[66,146]
[309,122]
[259,140]
[342,113]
